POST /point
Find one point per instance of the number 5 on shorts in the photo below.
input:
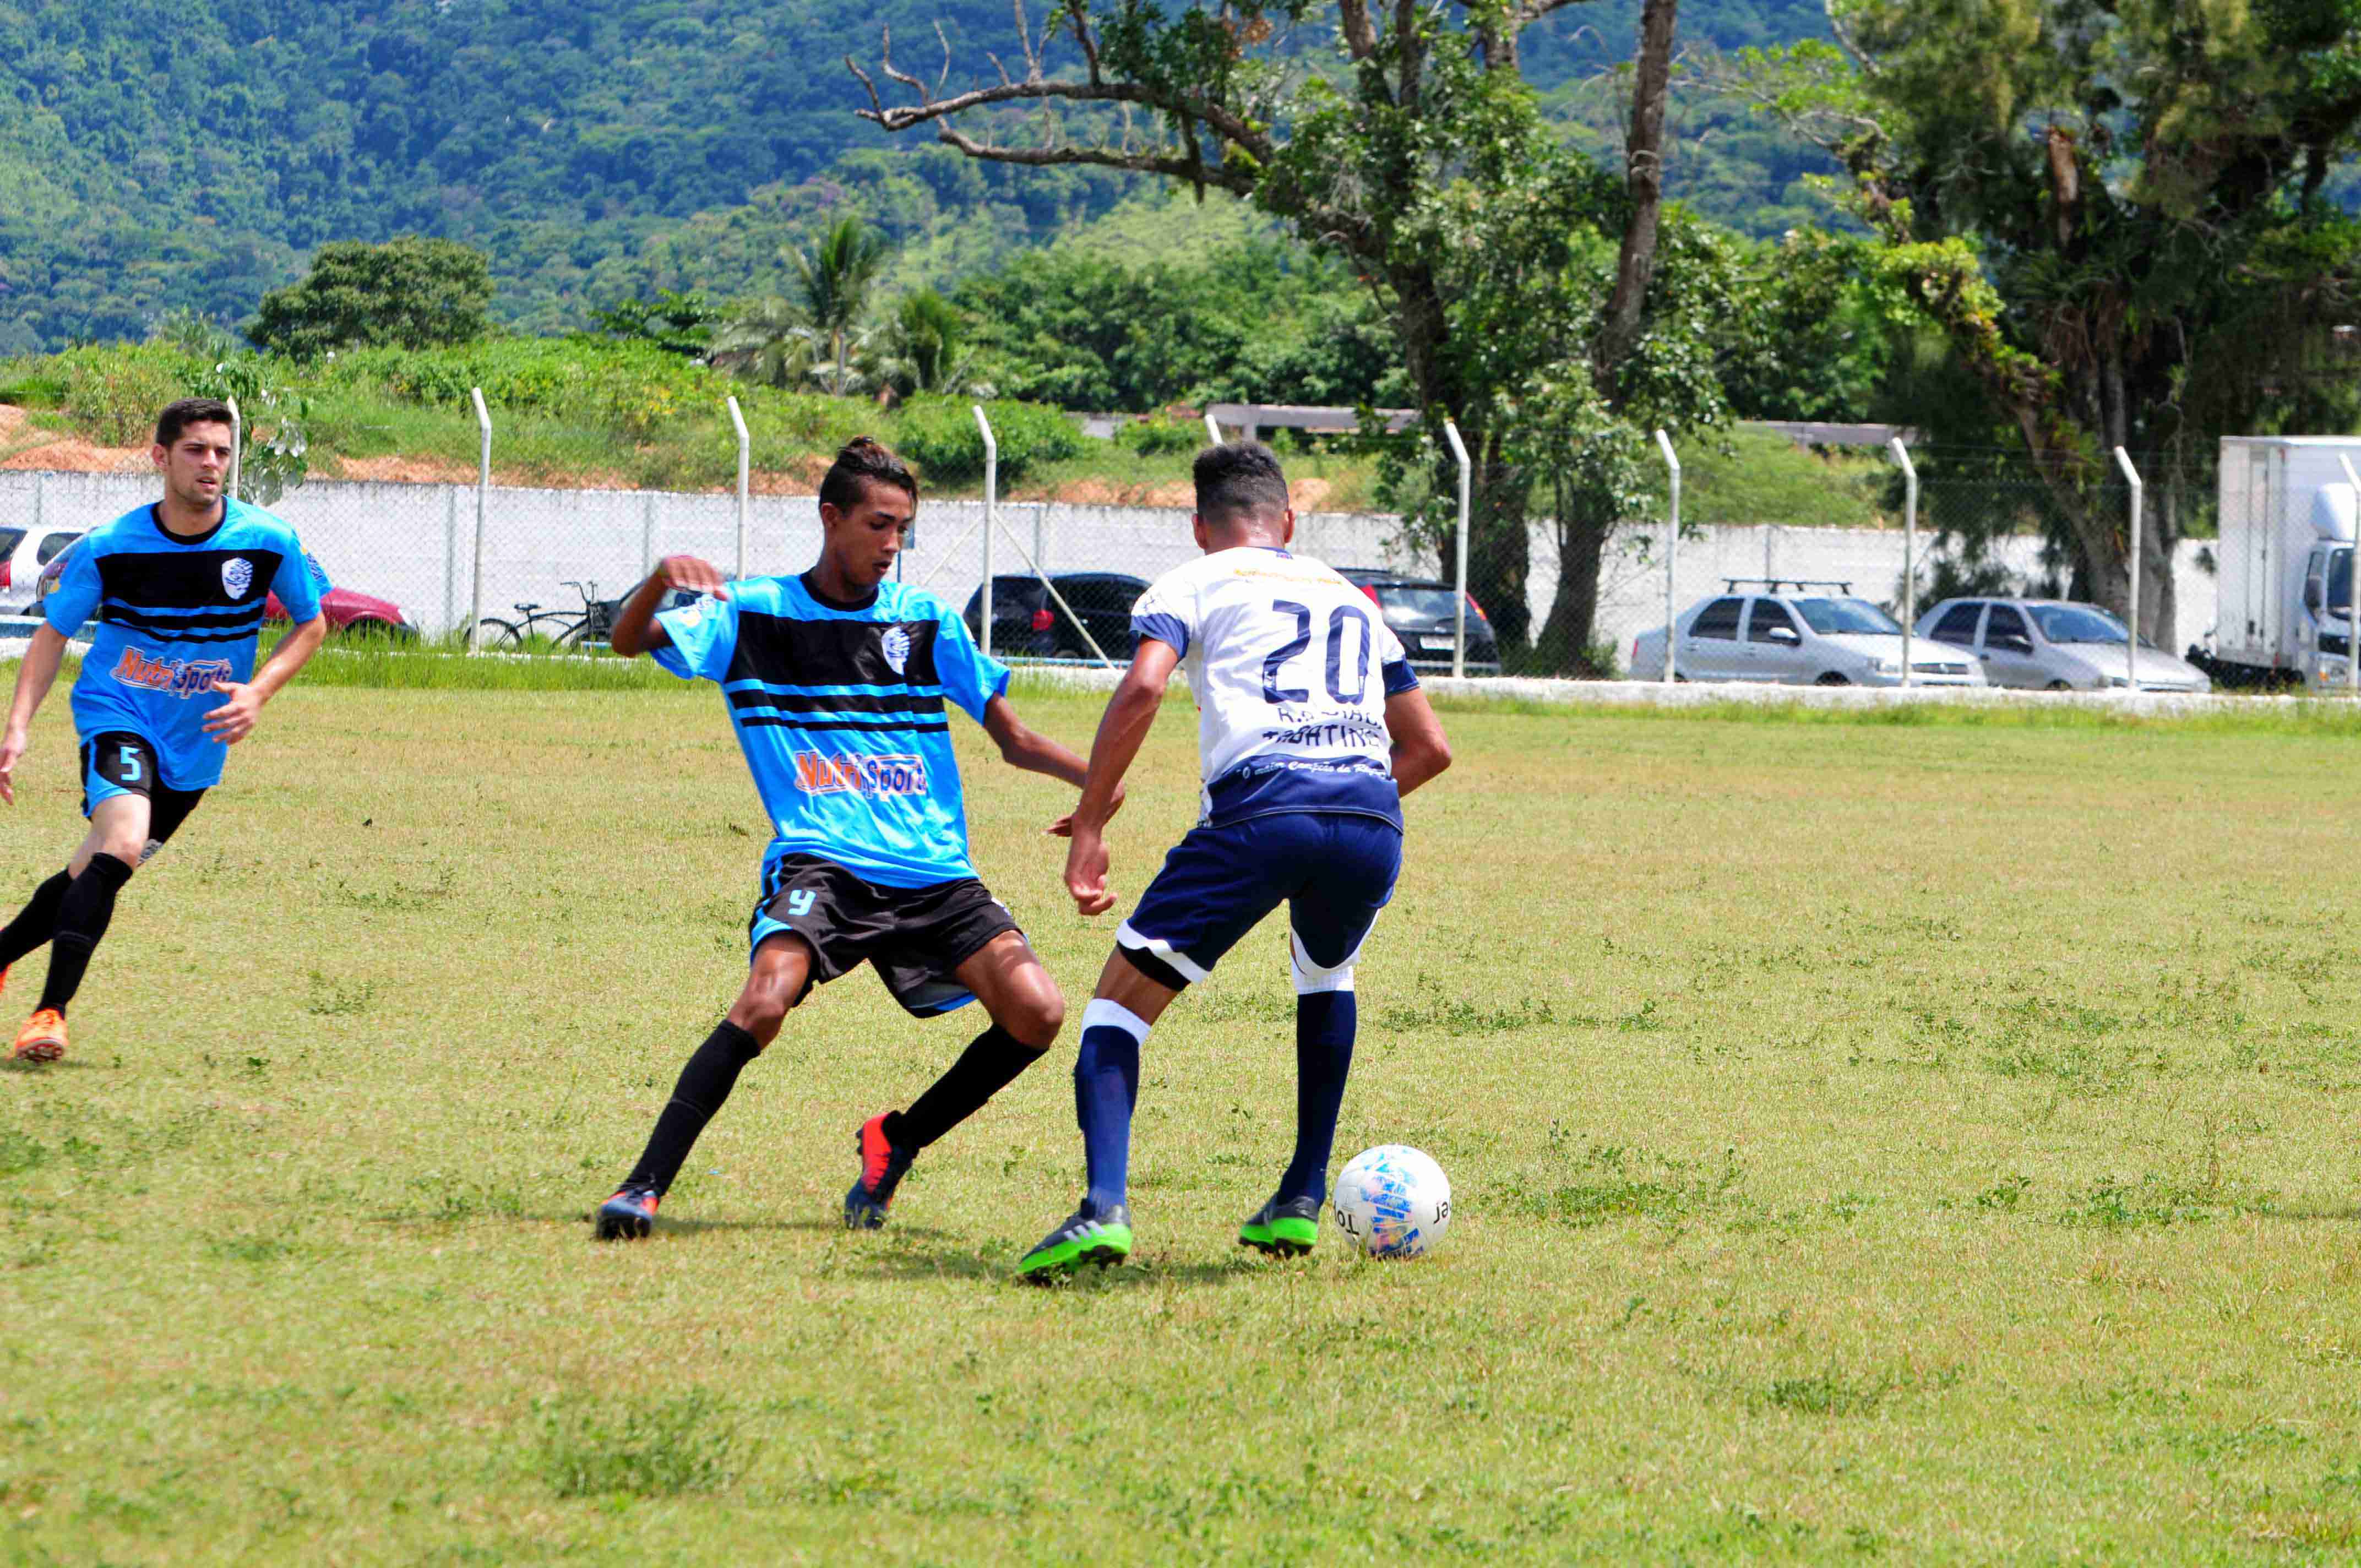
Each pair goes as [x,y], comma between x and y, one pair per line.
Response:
[126,759]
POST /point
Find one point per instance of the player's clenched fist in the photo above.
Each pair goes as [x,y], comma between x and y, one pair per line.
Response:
[696,575]
[1086,874]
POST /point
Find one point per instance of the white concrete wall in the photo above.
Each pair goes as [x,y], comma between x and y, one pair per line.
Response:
[414,544]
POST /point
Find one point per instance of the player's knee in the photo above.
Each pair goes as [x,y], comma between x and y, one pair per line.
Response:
[130,848]
[1035,1018]
[761,1013]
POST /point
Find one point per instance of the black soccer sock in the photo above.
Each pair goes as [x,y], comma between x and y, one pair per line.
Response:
[704,1084]
[1325,1026]
[35,923]
[83,914]
[991,1062]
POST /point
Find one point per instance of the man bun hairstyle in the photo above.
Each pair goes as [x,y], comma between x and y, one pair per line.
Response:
[864,461]
[1238,480]
[177,417]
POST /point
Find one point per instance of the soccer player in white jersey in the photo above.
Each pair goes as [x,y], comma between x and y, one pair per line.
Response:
[1313,729]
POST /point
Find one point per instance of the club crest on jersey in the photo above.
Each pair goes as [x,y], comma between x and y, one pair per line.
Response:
[816,773]
[237,576]
[897,648]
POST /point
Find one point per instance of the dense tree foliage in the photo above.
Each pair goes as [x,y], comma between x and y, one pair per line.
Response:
[406,293]
[157,155]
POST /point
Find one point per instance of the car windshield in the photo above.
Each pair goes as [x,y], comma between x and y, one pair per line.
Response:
[2077,623]
[9,538]
[1416,607]
[1831,616]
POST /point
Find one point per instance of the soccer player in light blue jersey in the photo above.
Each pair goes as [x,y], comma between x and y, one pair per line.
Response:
[1313,728]
[169,685]
[839,682]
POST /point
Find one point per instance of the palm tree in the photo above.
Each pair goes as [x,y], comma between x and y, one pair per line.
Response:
[927,349]
[766,340]
[835,278]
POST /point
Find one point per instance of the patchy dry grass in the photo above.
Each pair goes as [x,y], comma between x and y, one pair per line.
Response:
[1929,1140]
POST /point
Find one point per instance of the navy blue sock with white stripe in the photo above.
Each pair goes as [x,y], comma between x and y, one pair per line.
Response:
[1324,1024]
[1107,1087]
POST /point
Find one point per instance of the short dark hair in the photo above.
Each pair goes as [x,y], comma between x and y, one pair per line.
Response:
[1238,479]
[864,461]
[177,417]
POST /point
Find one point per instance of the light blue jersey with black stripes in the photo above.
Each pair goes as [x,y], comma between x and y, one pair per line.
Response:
[177,618]
[839,709]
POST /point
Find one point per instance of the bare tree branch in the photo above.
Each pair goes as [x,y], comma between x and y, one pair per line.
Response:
[1191,169]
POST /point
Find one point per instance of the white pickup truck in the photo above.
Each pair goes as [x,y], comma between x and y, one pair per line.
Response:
[2285,560]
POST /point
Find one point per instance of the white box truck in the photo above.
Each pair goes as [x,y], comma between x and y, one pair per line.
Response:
[2285,562]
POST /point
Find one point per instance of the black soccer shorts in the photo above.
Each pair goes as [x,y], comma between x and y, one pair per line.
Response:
[117,762]
[914,937]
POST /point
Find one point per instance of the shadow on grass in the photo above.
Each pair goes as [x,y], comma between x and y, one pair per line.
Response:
[2343,1213]
[997,1267]
[71,1063]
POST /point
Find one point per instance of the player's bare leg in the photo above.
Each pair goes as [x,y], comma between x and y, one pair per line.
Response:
[101,865]
[775,983]
[1026,1011]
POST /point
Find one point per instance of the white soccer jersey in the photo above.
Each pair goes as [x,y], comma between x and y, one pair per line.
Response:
[1290,666]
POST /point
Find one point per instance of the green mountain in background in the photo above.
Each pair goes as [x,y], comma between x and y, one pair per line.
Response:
[156,156]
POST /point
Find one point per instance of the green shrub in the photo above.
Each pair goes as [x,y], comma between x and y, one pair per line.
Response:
[1158,437]
[112,394]
[940,435]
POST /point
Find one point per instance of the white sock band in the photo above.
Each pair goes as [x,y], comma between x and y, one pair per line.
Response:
[1115,1015]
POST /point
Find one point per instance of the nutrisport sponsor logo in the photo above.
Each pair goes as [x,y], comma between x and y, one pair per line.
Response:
[818,772]
[183,678]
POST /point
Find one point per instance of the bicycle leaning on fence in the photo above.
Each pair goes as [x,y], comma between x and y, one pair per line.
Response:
[564,629]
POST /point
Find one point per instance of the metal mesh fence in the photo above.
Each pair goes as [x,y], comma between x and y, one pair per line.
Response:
[1549,599]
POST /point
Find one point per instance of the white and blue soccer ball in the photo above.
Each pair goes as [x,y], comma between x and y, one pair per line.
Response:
[1393,1201]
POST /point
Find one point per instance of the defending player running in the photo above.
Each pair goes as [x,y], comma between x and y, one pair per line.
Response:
[836,682]
[168,687]
[1313,729]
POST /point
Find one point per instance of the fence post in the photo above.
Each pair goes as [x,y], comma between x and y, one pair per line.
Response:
[450,556]
[1909,548]
[1459,605]
[483,502]
[745,464]
[991,517]
[2353,577]
[40,494]
[2131,648]
[648,534]
[236,448]
[1213,431]
[1672,551]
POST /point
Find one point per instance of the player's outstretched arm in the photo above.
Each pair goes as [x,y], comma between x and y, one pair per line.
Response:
[1122,729]
[234,720]
[33,680]
[1420,749]
[636,630]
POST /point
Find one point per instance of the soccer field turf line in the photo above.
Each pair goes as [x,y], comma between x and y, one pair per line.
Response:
[1930,1140]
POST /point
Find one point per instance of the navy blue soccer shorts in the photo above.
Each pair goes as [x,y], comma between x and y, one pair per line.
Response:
[1334,871]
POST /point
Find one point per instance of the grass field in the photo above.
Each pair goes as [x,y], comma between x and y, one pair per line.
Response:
[1930,1140]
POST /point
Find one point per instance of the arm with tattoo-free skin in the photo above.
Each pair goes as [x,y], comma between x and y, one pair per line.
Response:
[34,678]
[234,720]
[1130,714]
[636,629]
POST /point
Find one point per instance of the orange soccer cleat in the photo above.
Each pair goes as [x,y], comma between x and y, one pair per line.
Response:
[43,1037]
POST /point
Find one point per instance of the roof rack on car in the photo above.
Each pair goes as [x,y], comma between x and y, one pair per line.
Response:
[1773,584]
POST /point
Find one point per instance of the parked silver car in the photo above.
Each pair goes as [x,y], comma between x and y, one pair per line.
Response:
[1797,640]
[2053,645]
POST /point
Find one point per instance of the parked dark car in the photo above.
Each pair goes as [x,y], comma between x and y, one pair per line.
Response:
[1026,623]
[1424,613]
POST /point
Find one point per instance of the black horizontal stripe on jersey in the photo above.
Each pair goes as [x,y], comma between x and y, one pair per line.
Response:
[146,617]
[878,726]
[784,651]
[184,579]
[165,632]
[843,702]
